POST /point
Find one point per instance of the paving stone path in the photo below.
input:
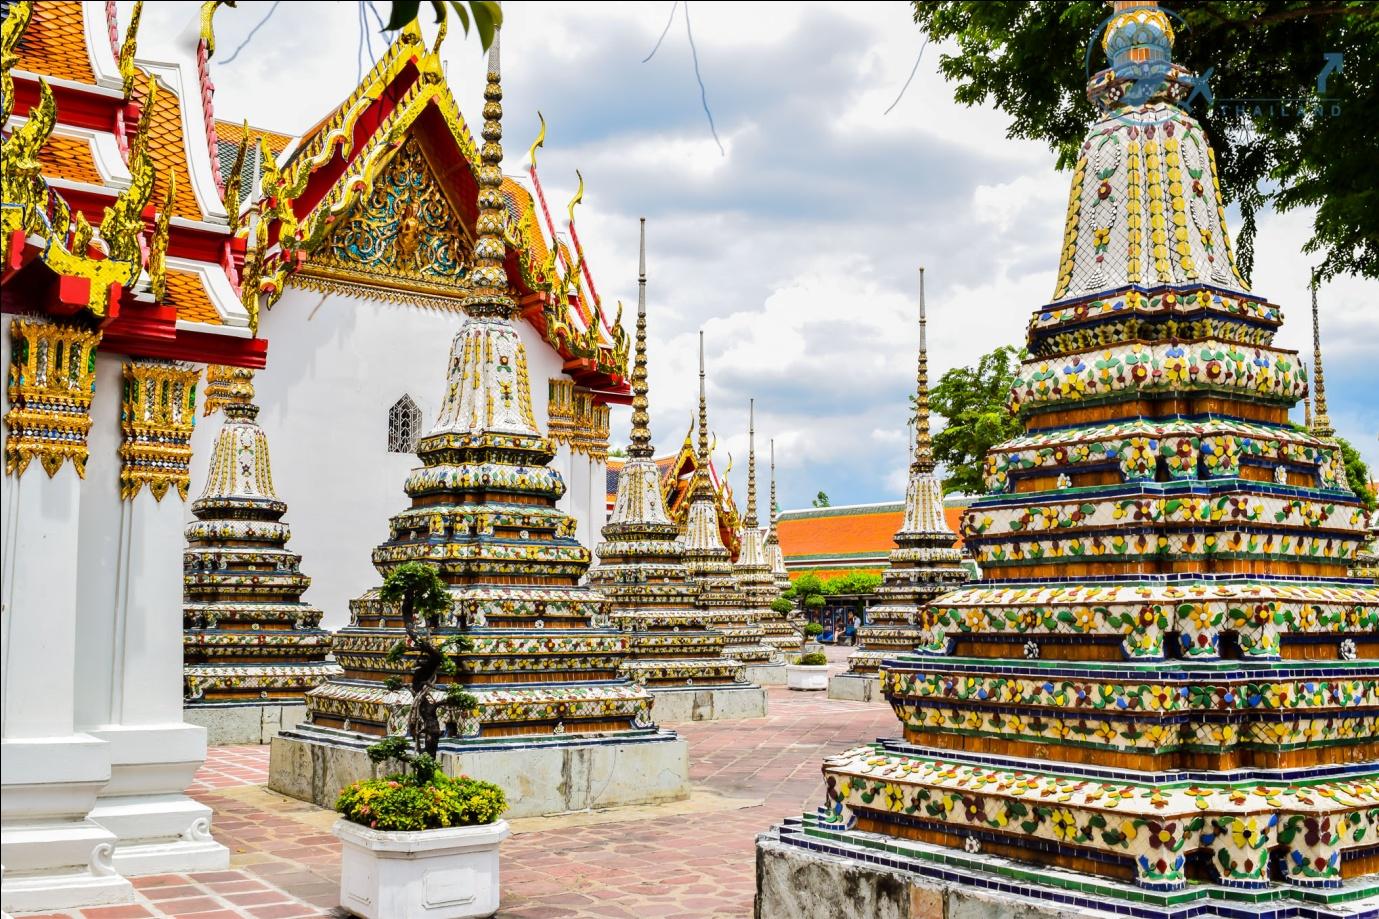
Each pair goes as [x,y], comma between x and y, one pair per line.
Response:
[688,860]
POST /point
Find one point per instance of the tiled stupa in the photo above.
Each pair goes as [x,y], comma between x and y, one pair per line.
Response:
[641,571]
[711,569]
[553,711]
[924,564]
[249,640]
[752,570]
[773,550]
[1164,698]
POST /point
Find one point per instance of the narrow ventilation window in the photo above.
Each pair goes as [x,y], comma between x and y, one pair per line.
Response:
[404,426]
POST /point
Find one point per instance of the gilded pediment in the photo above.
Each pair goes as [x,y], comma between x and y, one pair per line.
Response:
[403,238]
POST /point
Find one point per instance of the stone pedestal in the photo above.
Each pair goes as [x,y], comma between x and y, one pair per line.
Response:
[243,723]
[719,703]
[854,687]
[545,776]
[766,674]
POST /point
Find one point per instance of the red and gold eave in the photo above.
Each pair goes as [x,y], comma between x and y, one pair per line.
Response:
[405,94]
[40,274]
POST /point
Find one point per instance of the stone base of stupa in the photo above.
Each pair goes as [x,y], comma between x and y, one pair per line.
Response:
[715,703]
[244,722]
[807,868]
[855,687]
[766,674]
[540,775]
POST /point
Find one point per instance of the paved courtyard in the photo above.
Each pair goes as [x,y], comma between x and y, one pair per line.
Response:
[691,859]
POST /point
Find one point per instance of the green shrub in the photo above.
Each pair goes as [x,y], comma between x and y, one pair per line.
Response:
[401,802]
[812,629]
[813,659]
[782,605]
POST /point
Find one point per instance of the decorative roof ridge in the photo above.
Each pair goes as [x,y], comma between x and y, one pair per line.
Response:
[880,507]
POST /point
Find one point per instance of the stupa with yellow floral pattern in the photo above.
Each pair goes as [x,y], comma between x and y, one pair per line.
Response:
[1163,698]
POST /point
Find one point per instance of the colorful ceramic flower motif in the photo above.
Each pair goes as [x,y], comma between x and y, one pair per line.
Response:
[1147,828]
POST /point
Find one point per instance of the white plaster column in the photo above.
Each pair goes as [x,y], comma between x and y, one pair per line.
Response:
[54,856]
[130,608]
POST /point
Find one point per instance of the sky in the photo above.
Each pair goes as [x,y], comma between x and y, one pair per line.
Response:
[796,248]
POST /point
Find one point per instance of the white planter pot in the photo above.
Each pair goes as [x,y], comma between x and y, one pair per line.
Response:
[450,873]
[802,676]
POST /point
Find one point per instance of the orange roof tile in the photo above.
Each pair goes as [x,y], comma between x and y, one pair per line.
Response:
[188,295]
[233,132]
[168,148]
[54,44]
[69,158]
[840,533]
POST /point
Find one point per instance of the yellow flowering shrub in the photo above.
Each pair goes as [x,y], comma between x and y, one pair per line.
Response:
[401,802]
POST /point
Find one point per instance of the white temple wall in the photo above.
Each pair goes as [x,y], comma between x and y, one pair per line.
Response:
[336,365]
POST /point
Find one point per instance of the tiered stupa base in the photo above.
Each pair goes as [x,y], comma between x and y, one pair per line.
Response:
[861,681]
[710,686]
[540,775]
[809,866]
[244,722]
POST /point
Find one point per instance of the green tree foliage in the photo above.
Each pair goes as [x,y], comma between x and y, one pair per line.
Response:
[1357,473]
[852,582]
[485,15]
[821,499]
[974,401]
[1030,59]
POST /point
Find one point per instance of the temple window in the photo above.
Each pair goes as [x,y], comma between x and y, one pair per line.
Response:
[404,426]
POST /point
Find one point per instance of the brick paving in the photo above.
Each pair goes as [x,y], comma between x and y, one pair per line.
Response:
[680,861]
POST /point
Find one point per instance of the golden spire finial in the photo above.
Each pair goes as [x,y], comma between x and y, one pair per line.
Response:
[751,519]
[702,451]
[1320,424]
[488,280]
[641,422]
[923,460]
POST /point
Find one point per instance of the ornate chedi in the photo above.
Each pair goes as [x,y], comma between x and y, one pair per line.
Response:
[1164,693]
[641,570]
[542,659]
[752,570]
[711,568]
[925,562]
[250,642]
[773,551]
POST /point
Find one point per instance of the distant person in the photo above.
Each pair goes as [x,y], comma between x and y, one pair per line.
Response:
[851,632]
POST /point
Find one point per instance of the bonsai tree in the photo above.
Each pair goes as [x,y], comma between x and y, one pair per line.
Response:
[421,597]
[813,630]
[423,797]
[782,605]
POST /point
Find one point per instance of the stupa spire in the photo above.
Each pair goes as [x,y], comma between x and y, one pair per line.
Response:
[750,521]
[1320,422]
[701,452]
[489,281]
[923,460]
[640,447]
[771,511]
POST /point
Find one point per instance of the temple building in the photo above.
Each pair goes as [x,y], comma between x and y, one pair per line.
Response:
[362,228]
[121,274]
[752,570]
[1160,701]
[677,472]
[554,723]
[832,541]
[711,569]
[251,648]
[641,570]
[926,561]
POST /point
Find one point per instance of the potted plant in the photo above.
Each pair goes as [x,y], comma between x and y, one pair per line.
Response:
[809,674]
[812,631]
[418,843]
